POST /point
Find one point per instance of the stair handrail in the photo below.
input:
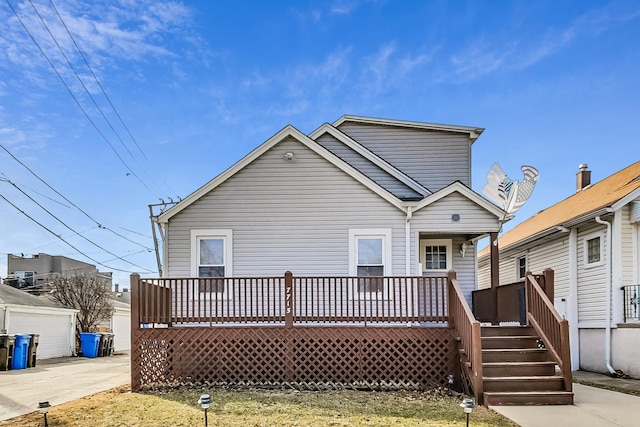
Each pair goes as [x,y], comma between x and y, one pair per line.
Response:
[466,326]
[550,326]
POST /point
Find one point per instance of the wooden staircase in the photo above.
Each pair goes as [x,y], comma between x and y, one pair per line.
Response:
[518,370]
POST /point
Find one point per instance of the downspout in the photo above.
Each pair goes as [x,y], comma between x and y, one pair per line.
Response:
[407,238]
[607,336]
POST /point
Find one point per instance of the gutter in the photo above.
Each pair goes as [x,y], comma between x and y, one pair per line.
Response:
[607,337]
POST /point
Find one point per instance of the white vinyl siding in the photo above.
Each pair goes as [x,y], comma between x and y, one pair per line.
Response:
[287,215]
[434,159]
[592,281]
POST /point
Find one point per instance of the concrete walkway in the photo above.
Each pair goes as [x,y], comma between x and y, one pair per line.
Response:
[593,406]
[60,380]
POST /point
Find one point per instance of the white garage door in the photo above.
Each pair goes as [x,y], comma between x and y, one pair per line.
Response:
[122,331]
[54,330]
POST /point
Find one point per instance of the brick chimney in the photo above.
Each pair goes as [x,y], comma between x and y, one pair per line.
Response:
[583,178]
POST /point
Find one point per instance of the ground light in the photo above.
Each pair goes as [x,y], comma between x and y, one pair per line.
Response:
[467,405]
[42,407]
[205,401]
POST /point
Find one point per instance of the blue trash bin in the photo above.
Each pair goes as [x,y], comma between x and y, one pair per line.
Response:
[21,351]
[89,344]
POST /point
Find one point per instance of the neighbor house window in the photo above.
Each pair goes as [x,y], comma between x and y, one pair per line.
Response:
[211,258]
[592,250]
[435,255]
[370,254]
[521,265]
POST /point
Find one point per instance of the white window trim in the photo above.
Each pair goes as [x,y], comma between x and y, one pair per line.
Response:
[585,249]
[226,235]
[526,266]
[354,234]
[436,242]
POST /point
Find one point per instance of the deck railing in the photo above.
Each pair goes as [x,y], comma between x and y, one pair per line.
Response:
[631,303]
[550,326]
[287,300]
[467,328]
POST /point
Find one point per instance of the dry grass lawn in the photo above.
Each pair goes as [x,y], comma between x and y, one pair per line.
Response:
[251,407]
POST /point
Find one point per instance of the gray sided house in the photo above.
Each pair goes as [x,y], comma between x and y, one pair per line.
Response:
[359,197]
[346,256]
[592,242]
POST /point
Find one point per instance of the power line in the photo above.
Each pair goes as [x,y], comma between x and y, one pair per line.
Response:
[69,201]
[61,238]
[75,98]
[69,228]
[53,37]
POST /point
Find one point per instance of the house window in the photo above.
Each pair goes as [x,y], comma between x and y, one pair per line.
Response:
[370,253]
[521,265]
[592,250]
[211,258]
[435,255]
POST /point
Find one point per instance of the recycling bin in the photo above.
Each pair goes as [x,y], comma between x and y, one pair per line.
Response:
[21,351]
[89,344]
[7,344]
[33,347]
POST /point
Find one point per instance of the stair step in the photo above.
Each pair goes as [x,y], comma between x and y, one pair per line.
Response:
[528,341]
[528,398]
[515,355]
[513,369]
[496,331]
[523,383]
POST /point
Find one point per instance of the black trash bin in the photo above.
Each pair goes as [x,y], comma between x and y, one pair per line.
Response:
[33,347]
[7,344]
[106,344]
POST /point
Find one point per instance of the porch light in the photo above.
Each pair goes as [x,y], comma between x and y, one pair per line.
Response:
[467,405]
[205,401]
[43,408]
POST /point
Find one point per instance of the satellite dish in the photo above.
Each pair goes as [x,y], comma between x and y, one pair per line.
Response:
[510,195]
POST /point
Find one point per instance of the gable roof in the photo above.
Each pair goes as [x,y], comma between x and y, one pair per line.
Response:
[473,131]
[370,159]
[13,296]
[620,187]
[287,131]
[458,187]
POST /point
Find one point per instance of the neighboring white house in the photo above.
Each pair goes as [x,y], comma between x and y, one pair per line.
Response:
[21,312]
[592,242]
[361,196]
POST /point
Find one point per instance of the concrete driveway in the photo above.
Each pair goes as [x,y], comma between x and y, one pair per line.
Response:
[60,380]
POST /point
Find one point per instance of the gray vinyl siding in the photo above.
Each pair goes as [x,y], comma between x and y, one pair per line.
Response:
[592,281]
[287,215]
[436,217]
[434,159]
[366,167]
[435,222]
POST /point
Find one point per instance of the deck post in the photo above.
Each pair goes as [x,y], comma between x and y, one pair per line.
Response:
[135,327]
[495,275]
[549,286]
[288,302]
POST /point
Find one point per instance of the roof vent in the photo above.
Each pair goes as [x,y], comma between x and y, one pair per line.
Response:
[583,177]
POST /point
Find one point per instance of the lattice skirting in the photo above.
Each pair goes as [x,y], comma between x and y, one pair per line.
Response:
[386,357]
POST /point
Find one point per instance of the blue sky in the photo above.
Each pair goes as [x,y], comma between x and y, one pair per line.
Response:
[196,85]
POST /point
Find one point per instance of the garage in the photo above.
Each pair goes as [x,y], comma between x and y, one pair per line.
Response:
[28,314]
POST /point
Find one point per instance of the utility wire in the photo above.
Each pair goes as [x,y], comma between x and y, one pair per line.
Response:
[95,103]
[75,98]
[95,78]
[71,229]
[70,202]
[60,237]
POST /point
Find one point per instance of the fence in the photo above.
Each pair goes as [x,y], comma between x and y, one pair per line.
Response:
[371,332]
[299,300]
[631,303]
